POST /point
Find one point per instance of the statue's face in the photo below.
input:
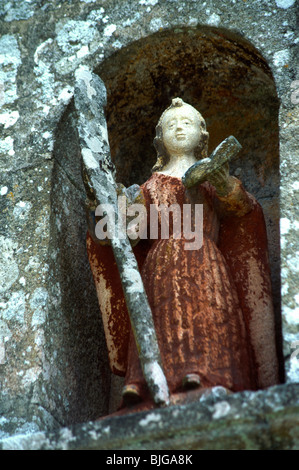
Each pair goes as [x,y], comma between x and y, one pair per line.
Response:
[181,130]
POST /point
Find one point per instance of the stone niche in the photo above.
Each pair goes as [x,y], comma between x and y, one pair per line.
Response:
[229,82]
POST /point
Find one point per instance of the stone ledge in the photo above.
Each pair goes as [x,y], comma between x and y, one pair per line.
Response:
[263,420]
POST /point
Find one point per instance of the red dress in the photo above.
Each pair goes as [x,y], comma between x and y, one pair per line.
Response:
[207,304]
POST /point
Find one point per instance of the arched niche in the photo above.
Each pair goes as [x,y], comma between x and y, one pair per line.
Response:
[230,83]
[227,79]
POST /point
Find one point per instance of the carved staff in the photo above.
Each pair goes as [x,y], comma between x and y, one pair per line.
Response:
[90,100]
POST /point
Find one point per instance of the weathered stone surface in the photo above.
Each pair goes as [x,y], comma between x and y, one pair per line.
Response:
[266,420]
[53,364]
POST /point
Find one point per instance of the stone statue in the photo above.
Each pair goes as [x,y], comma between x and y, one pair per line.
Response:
[211,306]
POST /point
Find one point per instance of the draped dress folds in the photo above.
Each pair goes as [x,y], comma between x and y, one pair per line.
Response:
[212,307]
[197,315]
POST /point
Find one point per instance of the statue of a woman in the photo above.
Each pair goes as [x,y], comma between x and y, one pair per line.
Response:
[212,306]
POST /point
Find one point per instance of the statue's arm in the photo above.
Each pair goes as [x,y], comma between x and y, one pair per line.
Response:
[231,197]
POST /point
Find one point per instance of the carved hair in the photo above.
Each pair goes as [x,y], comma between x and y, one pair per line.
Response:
[201,151]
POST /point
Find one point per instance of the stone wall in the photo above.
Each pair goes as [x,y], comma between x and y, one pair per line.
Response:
[234,59]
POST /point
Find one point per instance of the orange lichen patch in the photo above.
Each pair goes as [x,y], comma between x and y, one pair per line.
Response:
[10,195]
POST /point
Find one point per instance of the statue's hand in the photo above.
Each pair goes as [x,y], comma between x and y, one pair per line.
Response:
[222,180]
